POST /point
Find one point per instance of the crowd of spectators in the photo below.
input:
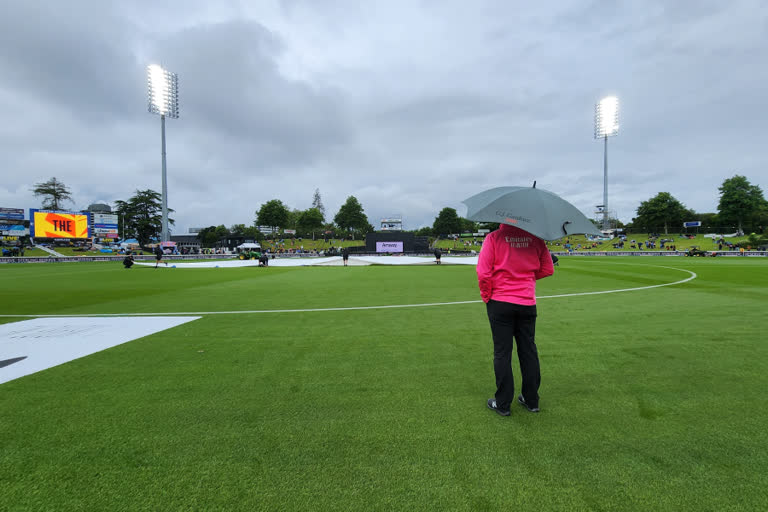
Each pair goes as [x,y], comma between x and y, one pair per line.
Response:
[467,244]
[722,242]
[571,247]
[14,250]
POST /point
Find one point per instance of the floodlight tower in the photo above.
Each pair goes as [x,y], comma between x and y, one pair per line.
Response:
[163,100]
[606,125]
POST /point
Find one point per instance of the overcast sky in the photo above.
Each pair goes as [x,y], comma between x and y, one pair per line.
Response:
[410,106]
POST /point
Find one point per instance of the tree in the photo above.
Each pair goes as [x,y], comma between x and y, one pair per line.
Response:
[351,216]
[211,235]
[249,232]
[709,221]
[237,229]
[740,201]
[273,213]
[310,220]
[293,218]
[222,231]
[661,210]
[54,193]
[318,203]
[365,229]
[207,236]
[760,224]
[447,222]
[142,216]
[126,230]
[467,226]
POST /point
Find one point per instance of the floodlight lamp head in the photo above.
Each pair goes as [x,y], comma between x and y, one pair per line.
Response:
[607,117]
[163,92]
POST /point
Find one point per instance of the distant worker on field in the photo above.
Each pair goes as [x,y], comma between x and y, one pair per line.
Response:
[510,263]
[159,255]
[128,261]
[438,254]
[345,255]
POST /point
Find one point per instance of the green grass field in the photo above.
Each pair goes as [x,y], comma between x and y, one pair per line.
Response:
[653,399]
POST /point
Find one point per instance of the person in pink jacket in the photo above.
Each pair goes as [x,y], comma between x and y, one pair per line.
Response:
[510,262]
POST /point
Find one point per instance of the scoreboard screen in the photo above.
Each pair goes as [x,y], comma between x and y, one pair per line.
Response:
[59,224]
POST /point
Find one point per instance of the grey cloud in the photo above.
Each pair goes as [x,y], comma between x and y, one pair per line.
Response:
[67,60]
[279,99]
[231,89]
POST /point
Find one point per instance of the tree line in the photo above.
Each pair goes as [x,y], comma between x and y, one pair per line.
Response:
[140,216]
[741,206]
[350,220]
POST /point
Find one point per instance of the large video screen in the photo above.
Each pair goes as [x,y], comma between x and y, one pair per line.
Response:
[59,224]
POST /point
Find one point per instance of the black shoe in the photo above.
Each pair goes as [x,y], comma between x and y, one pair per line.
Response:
[522,402]
[492,406]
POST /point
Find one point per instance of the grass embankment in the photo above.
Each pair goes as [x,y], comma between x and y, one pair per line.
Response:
[466,244]
[64,251]
[70,251]
[308,244]
[35,253]
[683,244]
[651,400]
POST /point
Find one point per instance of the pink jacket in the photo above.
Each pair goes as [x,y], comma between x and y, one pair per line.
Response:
[509,264]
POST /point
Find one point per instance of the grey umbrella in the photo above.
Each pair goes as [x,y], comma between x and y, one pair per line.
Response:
[539,212]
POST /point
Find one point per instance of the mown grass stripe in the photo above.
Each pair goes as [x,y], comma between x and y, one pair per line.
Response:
[356,308]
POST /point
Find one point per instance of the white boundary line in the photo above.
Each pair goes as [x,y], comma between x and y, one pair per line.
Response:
[693,276]
[359,308]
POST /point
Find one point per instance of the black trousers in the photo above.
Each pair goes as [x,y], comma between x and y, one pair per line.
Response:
[513,321]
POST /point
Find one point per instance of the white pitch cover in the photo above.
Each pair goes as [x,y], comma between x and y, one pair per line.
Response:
[33,345]
[327,261]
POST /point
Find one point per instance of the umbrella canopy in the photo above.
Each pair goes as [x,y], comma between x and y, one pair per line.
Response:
[539,212]
[249,245]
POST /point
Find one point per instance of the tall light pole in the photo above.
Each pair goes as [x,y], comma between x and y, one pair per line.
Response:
[163,100]
[606,125]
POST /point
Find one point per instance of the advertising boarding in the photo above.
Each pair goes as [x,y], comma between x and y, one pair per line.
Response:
[59,224]
[389,246]
[12,213]
[12,223]
[105,225]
